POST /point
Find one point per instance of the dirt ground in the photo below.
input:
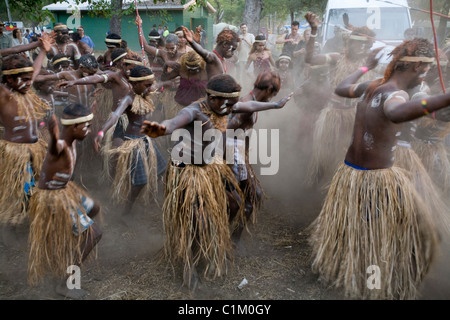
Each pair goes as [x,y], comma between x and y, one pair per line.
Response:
[277,265]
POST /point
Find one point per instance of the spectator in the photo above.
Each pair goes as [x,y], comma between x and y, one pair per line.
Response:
[82,46]
[290,40]
[85,38]
[203,37]
[18,39]
[244,47]
[166,32]
[5,40]
[160,31]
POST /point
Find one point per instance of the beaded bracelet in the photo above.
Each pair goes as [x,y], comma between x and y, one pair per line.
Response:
[424,107]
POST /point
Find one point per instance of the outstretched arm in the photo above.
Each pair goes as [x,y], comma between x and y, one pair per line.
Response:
[255,106]
[96,78]
[397,110]
[184,117]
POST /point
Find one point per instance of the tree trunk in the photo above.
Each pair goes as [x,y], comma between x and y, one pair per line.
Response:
[252,15]
[115,24]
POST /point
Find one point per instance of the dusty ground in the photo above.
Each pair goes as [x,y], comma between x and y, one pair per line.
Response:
[277,266]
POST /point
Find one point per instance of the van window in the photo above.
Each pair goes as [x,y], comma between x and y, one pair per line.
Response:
[387,23]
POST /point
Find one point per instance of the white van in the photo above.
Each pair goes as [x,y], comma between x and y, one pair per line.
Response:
[388,19]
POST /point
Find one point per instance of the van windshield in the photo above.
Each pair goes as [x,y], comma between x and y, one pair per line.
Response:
[387,23]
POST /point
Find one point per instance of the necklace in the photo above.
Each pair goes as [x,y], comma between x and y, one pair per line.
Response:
[219,122]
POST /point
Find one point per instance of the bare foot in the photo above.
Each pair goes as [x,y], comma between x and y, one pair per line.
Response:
[76,294]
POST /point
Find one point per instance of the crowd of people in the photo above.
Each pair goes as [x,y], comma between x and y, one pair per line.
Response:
[376,144]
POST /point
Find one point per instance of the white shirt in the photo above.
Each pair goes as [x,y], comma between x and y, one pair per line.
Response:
[245,48]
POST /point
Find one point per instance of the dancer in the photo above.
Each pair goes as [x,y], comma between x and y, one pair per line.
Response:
[136,158]
[202,203]
[63,234]
[386,224]
[21,150]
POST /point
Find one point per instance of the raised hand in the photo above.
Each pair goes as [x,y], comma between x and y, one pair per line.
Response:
[188,34]
[153,129]
[197,36]
[312,19]
[372,59]
[47,40]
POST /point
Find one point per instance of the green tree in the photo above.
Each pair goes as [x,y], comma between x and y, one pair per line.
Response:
[31,12]
[439,6]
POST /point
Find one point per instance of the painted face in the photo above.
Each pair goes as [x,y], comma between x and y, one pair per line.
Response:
[81,130]
[86,72]
[222,106]
[142,87]
[284,65]
[193,69]
[228,49]
[62,35]
[171,49]
[422,72]
[22,82]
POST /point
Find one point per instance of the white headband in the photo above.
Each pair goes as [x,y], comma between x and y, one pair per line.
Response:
[120,57]
[68,122]
[417,59]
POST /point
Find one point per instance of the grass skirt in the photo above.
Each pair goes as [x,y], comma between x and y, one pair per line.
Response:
[171,107]
[195,215]
[53,246]
[332,135]
[15,159]
[373,217]
[408,159]
[126,156]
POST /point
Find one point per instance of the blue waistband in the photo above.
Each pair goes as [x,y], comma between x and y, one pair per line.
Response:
[355,166]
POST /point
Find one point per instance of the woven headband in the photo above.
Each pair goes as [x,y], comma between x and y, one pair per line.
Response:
[284,58]
[61,26]
[139,63]
[360,38]
[149,77]
[113,40]
[68,122]
[19,70]
[224,94]
[120,57]
[417,59]
[154,37]
[260,41]
[60,59]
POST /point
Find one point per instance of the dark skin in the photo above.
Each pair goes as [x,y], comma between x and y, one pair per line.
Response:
[20,130]
[79,94]
[133,128]
[58,167]
[214,65]
[63,45]
[187,116]
[356,49]
[382,123]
